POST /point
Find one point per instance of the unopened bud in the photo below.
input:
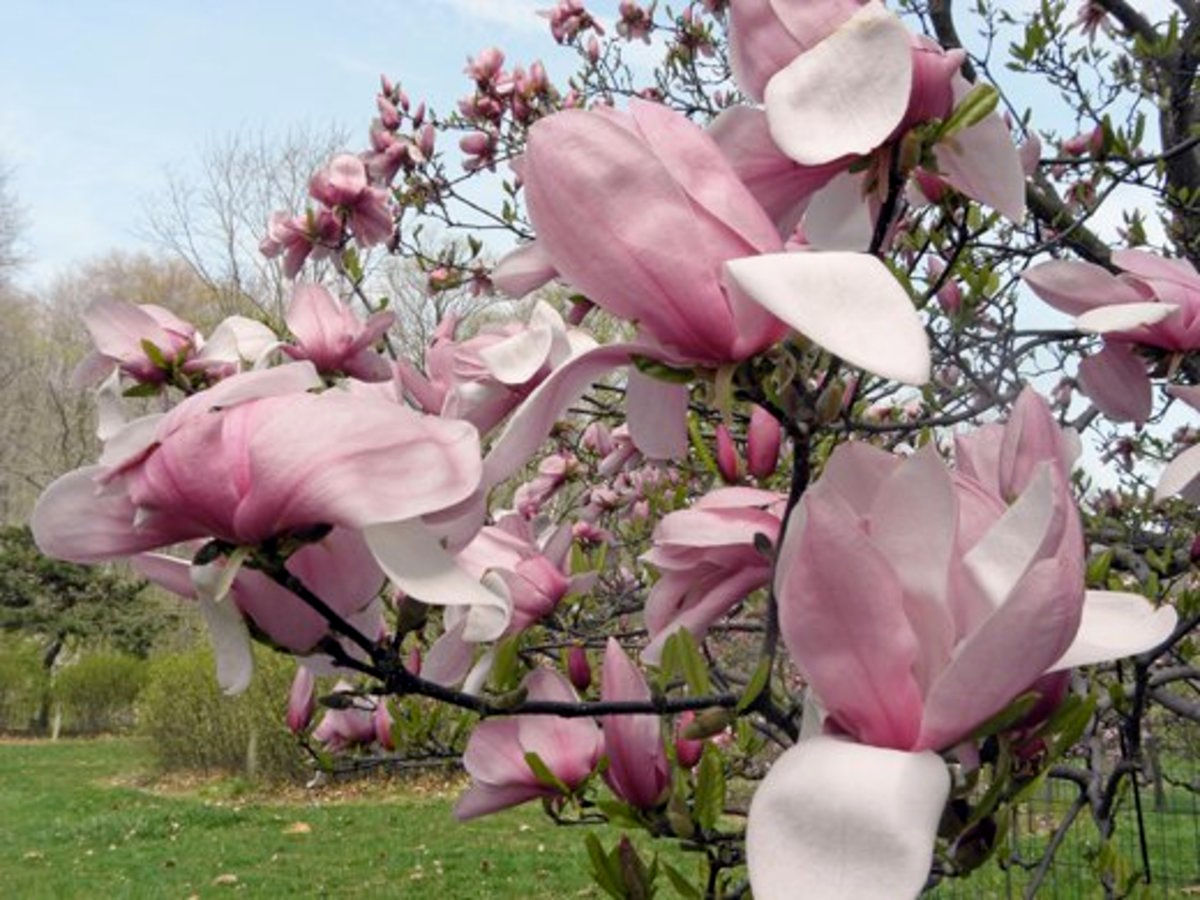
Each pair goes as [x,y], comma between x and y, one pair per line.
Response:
[708,723]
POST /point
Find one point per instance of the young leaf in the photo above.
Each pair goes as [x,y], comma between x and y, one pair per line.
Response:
[710,787]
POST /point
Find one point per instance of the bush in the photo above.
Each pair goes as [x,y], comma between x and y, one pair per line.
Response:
[98,693]
[193,726]
[24,685]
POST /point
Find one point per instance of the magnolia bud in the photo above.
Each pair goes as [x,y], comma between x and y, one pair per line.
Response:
[708,723]
[762,443]
[727,456]
[578,669]
[381,719]
[413,663]
[687,750]
[301,701]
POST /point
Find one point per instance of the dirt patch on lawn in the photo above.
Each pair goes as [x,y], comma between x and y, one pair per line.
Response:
[219,789]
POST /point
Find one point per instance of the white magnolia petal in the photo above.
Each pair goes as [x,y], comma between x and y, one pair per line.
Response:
[110,410]
[1123,316]
[226,628]
[656,412]
[417,563]
[834,820]
[1010,546]
[849,303]
[517,358]
[839,215]
[1115,625]
[1181,476]
[845,95]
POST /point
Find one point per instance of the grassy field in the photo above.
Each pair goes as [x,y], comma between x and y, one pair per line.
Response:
[83,819]
[68,828]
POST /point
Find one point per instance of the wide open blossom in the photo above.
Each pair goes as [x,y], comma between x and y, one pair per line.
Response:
[708,561]
[495,757]
[343,187]
[840,79]
[257,457]
[120,332]
[1153,302]
[333,338]
[918,603]
[314,233]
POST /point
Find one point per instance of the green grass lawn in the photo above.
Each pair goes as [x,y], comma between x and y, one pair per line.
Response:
[67,830]
[75,823]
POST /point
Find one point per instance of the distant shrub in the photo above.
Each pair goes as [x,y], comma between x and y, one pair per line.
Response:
[24,684]
[193,726]
[98,693]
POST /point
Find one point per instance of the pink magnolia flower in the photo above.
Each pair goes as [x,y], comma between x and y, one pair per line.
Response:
[315,234]
[258,457]
[120,331]
[788,53]
[552,473]
[708,561]
[333,338]
[918,603]
[641,212]
[534,582]
[354,725]
[729,464]
[636,21]
[1153,302]
[483,378]
[638,770]
[343,187]
[568,19]
[495,757]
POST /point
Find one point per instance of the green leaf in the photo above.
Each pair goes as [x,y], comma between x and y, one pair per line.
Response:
[655,369]
[154,354]
[638,880]
[699,447]
[683,887]
[1098,568]
[1007,717]
[686,655]
[608,879]
[142,390]
[756,685]
[542,773]
[504,668]
[710,787]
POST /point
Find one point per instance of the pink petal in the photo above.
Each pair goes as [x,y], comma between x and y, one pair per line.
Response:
[1076,287]
[1115,379]
[657,415]
[523,271]
[841,614]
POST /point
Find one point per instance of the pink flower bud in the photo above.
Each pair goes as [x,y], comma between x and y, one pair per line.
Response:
[301,701]
[387,113]
[413,663]
[593,50]
[762,443]
[426,140]
[381,719]
[728,462]
[687,752]
[578,669]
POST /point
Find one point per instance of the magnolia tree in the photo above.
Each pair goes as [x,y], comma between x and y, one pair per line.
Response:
[814,505]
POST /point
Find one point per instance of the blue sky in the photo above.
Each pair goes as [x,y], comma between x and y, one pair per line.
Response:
[101,97]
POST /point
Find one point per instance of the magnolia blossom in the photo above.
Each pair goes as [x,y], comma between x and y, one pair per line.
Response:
[496,753]
[1153,302]
[343,187]
[839,79]
[534,582]
[354,724]
[296,238]
[638,770]
[484,377]
[258,457]
[121,331]
[333,338]
[918,603]
[641,212]
[708,561]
